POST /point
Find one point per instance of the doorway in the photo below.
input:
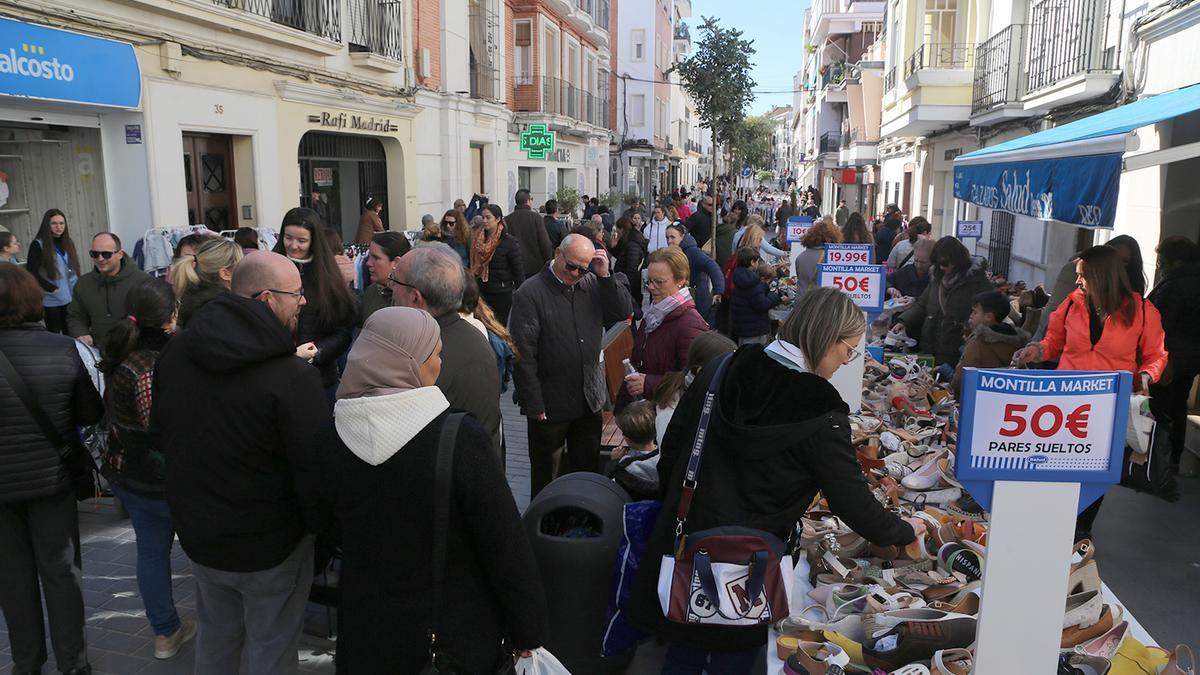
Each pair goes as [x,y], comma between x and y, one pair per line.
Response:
[339,173]
[208,180]
[477,170]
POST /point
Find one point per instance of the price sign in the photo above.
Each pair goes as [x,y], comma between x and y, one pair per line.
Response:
[969,229]
[797,227]
[849,254]
[1043,426]
[865,284]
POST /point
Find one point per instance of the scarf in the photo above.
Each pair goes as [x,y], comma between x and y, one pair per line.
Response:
[482,250]
[658,312]
[387,356]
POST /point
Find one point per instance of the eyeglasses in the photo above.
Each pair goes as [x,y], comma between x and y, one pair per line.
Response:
[449,222]
[107,255]
[295,294]
[579,269]
[854,353]
[391,279]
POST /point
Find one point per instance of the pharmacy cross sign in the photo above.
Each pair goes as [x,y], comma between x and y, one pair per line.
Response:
[537,142]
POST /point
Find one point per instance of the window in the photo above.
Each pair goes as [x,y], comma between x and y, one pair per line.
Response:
[637,110]
[637,43]
[523,50]
[550,57]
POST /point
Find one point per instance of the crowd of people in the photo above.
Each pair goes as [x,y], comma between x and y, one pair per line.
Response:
[268,414]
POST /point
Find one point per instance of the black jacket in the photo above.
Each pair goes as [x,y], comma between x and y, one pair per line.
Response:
[940,314]
[557,330]
[1177,298]
[699,225]
[33,263]
[236,413]
[907,282]
[884,238]
[507,269]
[195,298]
[49,364]
[556,230]
[469,378]
[777,437]
[385,515]
[331,342]
[630,252]
[750,301]
[529,229]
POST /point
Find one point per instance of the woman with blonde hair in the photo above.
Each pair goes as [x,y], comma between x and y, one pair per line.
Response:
[822,232]
[755,236]
[202,276]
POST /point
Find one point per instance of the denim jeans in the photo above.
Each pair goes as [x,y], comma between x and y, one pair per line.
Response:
[681,660]
[155,533]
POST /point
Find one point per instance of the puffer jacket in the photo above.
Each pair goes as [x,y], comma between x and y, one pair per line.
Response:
[99,301]
[749,305]
[989,347]
[1176,297]
[49,364]
[939,316]
[1136,348]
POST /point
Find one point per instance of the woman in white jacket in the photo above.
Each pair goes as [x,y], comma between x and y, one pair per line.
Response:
[656,230]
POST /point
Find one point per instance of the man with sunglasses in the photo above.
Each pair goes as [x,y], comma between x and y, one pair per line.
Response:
[99,301]
[557,322]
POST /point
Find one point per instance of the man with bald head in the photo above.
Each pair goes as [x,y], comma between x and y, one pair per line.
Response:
[236,412]
[557,322]
[99,295]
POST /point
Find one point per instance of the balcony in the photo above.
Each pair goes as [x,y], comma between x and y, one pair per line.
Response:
[999,77]
[315,17]
[1067,60]
[940,64]
[831,141]
[484,82]
[889,80]
[553,96]
[484,31]
[693,146]
[837,17]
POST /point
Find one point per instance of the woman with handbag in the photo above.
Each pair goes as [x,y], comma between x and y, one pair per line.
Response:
[1103,325]
[777,433]
[133,463]
[432,544]
[46,394]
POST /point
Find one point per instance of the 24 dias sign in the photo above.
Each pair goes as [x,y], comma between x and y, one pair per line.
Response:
[1032,425]
[865,284]
[849,254]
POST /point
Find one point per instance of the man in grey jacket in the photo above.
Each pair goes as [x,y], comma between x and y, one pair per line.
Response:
[557,322]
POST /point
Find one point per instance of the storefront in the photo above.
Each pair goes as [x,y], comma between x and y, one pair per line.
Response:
[71,133]
[545,160]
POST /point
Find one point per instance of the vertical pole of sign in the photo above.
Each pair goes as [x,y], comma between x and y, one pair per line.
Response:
[1025,579]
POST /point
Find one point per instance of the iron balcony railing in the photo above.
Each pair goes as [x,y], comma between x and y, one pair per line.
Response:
[889,80]
[999,77]
[483,82]
[1066,37]
[831,141]
[316,17]
[375,28]
[483,57]
[940,56]
[560,97]
[834,74]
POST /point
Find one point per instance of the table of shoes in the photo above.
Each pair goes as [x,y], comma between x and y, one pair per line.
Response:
[857,607]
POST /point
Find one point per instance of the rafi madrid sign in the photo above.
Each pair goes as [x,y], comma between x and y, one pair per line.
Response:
[47,63]
[537,141]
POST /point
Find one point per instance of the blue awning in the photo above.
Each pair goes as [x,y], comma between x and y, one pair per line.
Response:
[1070,173]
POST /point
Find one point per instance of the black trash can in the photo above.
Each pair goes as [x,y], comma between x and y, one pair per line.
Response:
[575,526]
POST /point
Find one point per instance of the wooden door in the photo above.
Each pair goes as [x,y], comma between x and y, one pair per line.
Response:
[208,178]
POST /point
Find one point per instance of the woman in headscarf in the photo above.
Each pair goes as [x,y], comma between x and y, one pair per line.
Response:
[496,262]
[378,479]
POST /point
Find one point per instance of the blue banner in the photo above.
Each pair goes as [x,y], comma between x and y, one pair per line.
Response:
[1077,190]
[47,63]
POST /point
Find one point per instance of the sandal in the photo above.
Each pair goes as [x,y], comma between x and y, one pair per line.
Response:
[1172,666]
[953,662]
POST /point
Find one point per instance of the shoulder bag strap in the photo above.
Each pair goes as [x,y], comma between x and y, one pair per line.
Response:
[442,488]
[693,465]
[906,259]
[31,404]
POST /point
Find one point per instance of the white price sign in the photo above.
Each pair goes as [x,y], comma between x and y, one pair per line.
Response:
[865,284]
[797,226]
[848,254]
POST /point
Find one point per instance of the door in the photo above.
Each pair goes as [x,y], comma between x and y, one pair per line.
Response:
[477,169]
[906,195]
[208,178]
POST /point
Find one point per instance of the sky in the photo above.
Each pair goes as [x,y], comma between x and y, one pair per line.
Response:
[777,29]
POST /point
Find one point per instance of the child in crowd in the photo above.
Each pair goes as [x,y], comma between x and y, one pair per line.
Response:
[990,342]
[752,298]
[634,466]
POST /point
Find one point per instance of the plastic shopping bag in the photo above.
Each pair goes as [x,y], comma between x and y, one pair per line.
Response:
[541,662]
[1141,424]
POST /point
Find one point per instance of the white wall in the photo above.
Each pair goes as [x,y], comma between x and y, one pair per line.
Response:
[635,16]
[126,175]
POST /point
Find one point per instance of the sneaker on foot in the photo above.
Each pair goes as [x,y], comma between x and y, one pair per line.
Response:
[167,646]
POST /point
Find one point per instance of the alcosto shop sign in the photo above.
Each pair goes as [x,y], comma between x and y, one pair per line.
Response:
[47,63]
[1034,448]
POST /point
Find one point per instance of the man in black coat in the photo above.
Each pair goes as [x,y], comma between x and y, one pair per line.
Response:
[554,226]
[237,412]
[1176,297]
[431,278]
[39,520]
[557,321]
[700,223]
[529,229]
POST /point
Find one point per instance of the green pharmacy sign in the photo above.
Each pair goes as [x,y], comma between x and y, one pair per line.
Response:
[537,142]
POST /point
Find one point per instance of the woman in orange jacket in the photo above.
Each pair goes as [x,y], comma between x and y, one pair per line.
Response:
[1103,325]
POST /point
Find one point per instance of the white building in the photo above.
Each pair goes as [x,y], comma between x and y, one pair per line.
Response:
[781,142]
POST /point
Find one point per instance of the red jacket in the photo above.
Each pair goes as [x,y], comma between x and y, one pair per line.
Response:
[665,350]
[1069,335]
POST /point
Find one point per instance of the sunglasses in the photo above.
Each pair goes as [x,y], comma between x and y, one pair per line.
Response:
[391,279]
[579,269]
[295,294]
[107,255]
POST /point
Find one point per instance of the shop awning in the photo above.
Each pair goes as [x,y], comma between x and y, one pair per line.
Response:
[1070,173]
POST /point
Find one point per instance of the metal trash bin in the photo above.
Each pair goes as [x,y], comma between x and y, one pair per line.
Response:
[575,526]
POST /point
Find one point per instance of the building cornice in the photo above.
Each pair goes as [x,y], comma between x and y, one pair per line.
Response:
[344,98]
